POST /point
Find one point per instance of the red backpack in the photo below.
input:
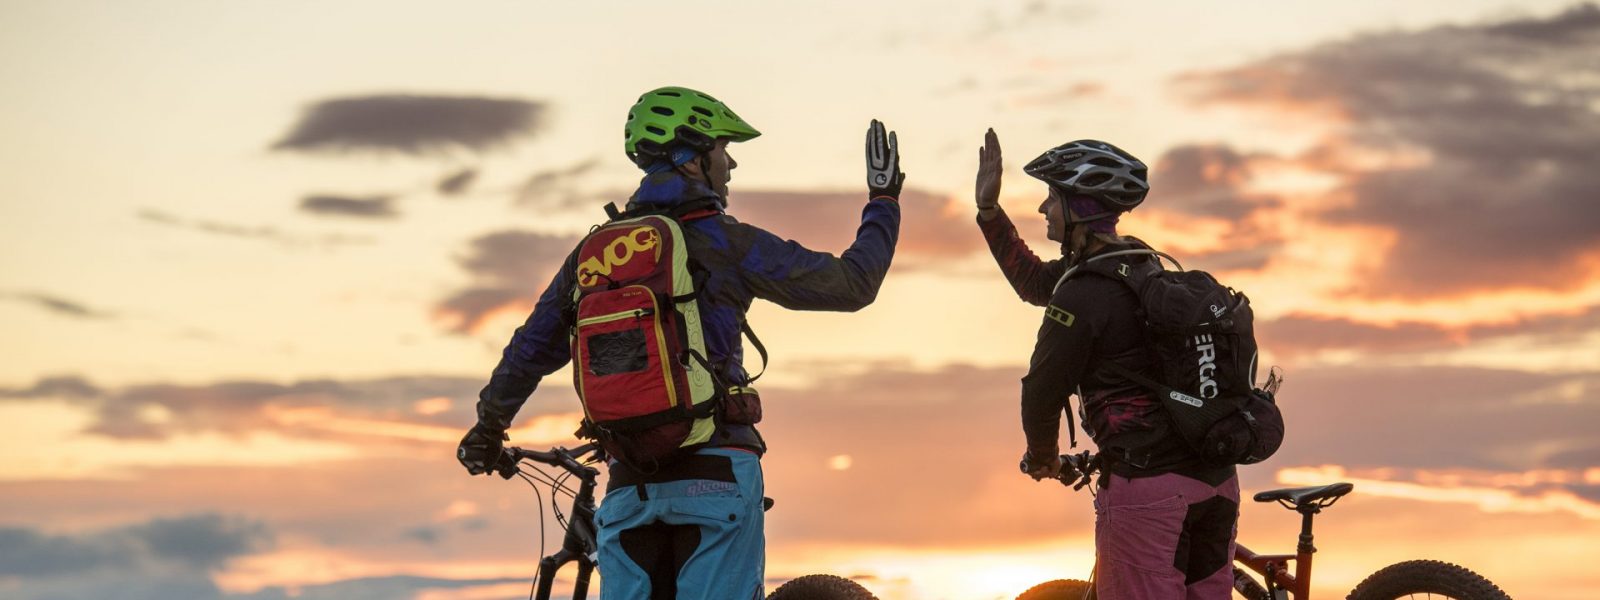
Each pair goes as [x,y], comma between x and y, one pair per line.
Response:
[638,349]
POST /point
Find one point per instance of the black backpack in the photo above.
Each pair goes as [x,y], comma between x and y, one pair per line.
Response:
[1201,335]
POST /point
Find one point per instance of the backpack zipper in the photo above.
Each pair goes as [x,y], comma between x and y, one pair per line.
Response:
[637,313]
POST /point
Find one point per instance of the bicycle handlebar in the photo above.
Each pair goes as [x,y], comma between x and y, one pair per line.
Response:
[1076,469]
[555,457]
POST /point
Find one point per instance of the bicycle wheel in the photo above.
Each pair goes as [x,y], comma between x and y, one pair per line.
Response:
[821,587]
[1426,579]
[1060,589]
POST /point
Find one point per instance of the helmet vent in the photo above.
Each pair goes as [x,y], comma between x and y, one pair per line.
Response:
[655,130]
[702,110]
[1104,161]
[1094,179]
[673,94]
[663,111]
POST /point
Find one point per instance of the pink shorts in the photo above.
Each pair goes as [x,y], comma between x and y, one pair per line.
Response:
[1167,537]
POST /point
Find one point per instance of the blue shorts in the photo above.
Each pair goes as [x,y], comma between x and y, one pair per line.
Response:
[703,533]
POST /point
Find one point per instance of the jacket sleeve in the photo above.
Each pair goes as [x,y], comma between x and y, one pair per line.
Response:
[538,348]
[1033,279]
[791,276]
[1060,358]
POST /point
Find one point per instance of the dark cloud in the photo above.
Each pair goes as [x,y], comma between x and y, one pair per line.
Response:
[1297,334]
[151,584]
[557,188]
[198,543]
[1293,335]
[255,232]
[201,541]
[1573,25]
[394,587]
[1206,180]
[1210,181]
[243,406]
[63,386]
[1436,418]
[827,221]
[411,124]
[467,310]
[457,183]
[57,305]
[28,552]
[1502,119]
[370,207]
[509,268]
[424,534]
[525,259]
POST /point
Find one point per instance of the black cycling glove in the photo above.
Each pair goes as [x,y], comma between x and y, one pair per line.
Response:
[883,162]
[481,448]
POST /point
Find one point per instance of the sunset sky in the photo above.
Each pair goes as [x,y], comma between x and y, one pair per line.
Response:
[256,260]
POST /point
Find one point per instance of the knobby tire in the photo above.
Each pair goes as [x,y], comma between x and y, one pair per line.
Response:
[821,587]
[1060,589]
[1437,579]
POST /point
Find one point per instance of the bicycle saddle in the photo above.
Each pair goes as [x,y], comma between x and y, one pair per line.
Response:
[1294,497]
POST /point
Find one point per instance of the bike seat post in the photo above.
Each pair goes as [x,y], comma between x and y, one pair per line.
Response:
[1307,511]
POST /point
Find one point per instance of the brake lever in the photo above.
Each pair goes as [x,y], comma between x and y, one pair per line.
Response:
[506,467]
[1085,466]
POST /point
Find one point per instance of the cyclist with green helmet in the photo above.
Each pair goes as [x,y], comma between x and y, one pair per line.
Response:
[693,528]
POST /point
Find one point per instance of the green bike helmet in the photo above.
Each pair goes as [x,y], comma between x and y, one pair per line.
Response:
[667,117]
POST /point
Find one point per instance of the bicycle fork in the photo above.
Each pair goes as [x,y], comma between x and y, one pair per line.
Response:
[554,562]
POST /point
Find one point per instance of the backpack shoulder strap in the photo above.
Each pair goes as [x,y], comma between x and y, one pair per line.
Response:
[1098,265]
[744,326]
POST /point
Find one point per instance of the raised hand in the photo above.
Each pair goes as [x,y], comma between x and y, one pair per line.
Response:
[987,193]
[883,162]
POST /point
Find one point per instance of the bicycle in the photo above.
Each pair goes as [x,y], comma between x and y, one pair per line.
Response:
[581,546]
[1400,580]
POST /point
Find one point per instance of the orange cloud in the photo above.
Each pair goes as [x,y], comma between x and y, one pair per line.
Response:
[1450,489]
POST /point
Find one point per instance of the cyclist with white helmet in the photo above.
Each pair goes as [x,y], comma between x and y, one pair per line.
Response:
[1165,518]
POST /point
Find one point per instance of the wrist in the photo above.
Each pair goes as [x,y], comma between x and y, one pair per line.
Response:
[491,430]
[1043,451]
[988,213]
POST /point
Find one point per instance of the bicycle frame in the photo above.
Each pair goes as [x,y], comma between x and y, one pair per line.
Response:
[1272,567]
[580,544]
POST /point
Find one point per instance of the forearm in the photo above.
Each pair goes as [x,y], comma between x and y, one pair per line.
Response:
[538,348]
[1041,414]
[868,258]
[794,277]
[1033,279]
